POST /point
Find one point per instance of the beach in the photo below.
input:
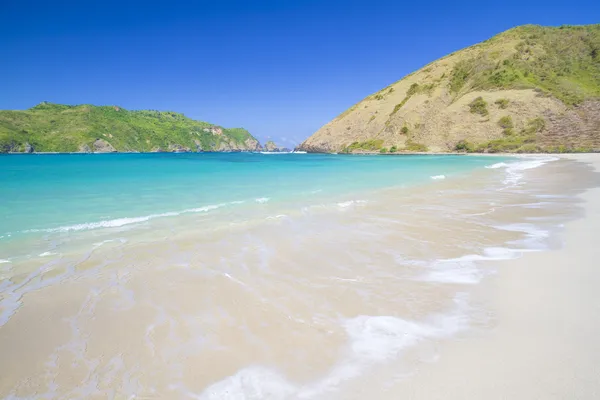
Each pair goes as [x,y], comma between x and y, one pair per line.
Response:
[445,277]
[543,343]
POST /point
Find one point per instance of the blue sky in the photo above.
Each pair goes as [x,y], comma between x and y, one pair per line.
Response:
[280,69]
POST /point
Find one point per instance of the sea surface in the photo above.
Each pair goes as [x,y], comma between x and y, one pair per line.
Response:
[247,276]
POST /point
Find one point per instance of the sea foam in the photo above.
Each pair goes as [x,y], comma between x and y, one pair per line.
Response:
[118,222]
[349,203]
[464,270]
[514,170]
[371,340]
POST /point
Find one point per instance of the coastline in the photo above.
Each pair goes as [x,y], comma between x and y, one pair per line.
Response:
[544,341]
[404,289]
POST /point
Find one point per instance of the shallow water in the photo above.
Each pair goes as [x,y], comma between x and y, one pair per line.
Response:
[249,276]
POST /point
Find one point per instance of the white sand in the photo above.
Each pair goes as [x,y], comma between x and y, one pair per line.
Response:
[546,339]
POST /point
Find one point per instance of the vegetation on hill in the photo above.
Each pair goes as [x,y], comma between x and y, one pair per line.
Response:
[50,127]
[563,62]
[529,89]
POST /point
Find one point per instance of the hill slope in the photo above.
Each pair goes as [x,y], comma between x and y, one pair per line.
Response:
[51,127]
[528,89]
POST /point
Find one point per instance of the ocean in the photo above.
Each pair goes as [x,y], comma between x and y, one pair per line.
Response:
[247,276]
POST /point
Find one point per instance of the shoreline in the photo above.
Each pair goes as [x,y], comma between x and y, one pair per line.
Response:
[374,153]
[543,341]
[403,288]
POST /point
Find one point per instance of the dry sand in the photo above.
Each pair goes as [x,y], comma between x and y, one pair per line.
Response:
[546,339]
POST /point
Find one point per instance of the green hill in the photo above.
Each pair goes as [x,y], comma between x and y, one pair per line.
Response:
[529,89]
[50,127]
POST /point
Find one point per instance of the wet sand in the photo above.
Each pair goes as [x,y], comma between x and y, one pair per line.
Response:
[544,343]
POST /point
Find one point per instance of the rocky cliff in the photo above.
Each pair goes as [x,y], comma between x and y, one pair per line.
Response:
[51,127]
[529,89]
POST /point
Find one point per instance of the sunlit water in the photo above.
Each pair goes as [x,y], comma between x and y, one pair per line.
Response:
[253,276]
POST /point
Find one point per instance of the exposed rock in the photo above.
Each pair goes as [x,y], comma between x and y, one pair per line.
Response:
[576,128]
[28,148]
[177,148]
[157,150]
[270,146]
[224,146]
[215,130]
[84,148]
[102,146]
[252,144]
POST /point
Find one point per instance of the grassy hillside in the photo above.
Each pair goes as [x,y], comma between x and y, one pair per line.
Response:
[51,127]
[563,62]
[529,89]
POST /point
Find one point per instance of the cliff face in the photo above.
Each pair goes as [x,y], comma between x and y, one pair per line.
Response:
[529,89]
[51,127]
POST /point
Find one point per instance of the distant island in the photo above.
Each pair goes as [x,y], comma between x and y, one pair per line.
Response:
[530,89]
[50,127]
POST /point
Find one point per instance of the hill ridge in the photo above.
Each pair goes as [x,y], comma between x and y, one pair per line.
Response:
[52,127]
[528,89]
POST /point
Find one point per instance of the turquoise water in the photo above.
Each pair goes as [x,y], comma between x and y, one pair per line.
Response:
[71,193]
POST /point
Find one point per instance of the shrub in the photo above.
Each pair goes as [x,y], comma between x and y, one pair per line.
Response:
[398,106]
[529,148]
[535,125]
[414,88]
[368,145]
[463,145]
[479,106]
[404,130]
[502,103]
[413,146]
[383,150]
[460,74]
[506,123]
[393,149]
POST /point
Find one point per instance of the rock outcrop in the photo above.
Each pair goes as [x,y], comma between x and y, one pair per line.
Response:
[177,148]
[84,148]
[102,146]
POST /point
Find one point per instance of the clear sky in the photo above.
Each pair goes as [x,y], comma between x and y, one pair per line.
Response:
[280,68]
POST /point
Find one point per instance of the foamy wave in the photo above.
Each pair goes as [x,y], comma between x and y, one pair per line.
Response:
[372,339]
[262,200]
[4,261]
[497,165]
[514,170]
[251,383]
[102,243]
[279,216]
[437,177]
[118,222]
[382,337]
[346,204]
[46,254]
[463,270]
[534,236]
